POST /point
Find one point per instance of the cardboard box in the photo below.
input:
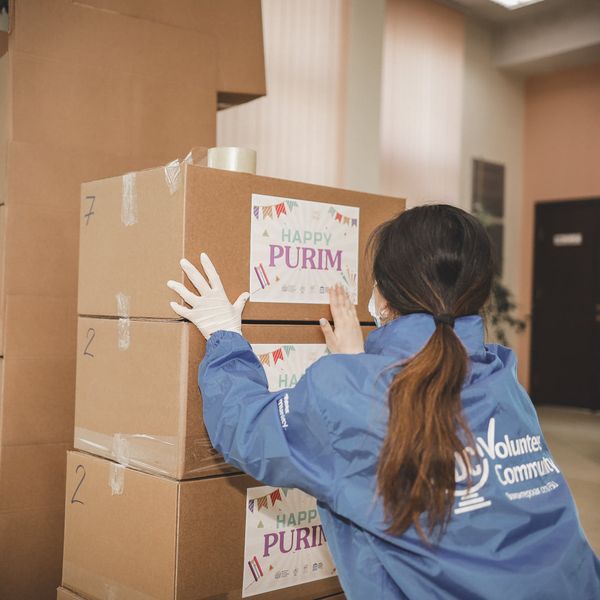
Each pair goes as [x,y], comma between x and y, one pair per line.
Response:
[137,399]
[65,594]
[135,229]
[237,26]
[92,88]
[133,535]
[32,479]
[2,261]
[37,393]
[31,543]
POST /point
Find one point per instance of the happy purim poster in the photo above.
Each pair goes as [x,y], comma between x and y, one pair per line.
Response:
[284,364]
[299,248]
[285,544]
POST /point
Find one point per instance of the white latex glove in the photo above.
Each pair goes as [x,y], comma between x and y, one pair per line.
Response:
[211,310]
[347,337]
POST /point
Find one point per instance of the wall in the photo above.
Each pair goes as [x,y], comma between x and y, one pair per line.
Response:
[298,128]
[362,152]
[422,101]
[562,157]
[493,115]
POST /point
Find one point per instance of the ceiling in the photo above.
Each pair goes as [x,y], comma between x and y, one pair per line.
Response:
[496,14]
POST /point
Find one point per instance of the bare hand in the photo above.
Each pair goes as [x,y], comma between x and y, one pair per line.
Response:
[346,337]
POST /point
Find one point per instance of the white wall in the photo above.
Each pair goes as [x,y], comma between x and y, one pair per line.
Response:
[298,128]
[362,151]
[493,114]
[422,101]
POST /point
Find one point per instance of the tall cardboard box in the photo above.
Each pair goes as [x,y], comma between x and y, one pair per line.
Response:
[78,100]
[138,401]
[283,241]
[236,25]
[32,479]
[134,535]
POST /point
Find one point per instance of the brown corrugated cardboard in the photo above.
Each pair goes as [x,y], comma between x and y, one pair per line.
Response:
[137,536]
[126,101]
[65,594]
[32,479]
[142,224]
[137,397]
[31,545]
[2,262]
[38,387]
[237,26]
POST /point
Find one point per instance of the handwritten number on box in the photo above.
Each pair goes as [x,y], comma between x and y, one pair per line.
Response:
[91,334]
[90,212]
[77,470]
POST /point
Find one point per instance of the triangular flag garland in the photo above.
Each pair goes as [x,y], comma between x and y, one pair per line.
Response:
[343,219]
[276,355]
[263,501]
[281,208]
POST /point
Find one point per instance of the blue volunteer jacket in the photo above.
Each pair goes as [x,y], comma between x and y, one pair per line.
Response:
[515,534]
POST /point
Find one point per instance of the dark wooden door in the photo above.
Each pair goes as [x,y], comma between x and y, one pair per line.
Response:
[565,348]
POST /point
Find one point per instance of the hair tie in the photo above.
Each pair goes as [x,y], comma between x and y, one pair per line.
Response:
[444,318]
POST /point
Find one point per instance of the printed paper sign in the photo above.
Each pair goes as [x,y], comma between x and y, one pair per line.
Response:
[284,544]
[284,364]
[299,248]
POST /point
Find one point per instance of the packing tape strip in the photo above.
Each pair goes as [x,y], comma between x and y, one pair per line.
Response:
[120,449]
[123,333]
[74,573]
[173,176]
[156,454]
[116,479]
[129,210]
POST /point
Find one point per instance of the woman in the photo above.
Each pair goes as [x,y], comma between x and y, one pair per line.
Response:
[424,452]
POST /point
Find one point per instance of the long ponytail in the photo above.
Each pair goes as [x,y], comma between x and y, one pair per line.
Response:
[416,467]
[433,259]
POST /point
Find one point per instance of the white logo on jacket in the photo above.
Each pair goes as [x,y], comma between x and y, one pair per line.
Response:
[489,450]
[283,408]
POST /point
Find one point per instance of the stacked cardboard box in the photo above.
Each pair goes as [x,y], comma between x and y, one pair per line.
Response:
[164,516]
[85,92]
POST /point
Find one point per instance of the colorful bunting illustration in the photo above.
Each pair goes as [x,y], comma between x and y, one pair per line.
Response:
[276,495]
[281,208]
[276,355]
[263,502]
[340,218]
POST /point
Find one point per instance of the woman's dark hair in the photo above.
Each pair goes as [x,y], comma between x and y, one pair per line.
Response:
[435,259]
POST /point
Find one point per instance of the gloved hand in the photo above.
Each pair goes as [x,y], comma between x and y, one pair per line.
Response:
[210,311]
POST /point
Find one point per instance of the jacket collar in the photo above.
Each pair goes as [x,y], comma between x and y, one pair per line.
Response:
[406,335]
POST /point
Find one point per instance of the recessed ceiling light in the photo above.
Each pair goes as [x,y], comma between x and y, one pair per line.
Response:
[512,4]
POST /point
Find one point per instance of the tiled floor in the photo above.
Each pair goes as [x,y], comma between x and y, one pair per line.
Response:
[574,439]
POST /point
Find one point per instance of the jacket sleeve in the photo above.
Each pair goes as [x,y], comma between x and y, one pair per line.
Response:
[279,438]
